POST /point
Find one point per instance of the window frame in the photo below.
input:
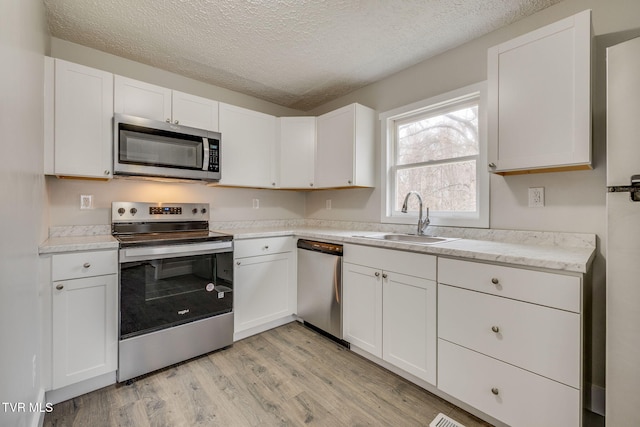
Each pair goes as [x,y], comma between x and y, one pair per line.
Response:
[443,102]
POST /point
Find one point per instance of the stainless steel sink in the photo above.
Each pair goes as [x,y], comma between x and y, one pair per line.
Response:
[410,238]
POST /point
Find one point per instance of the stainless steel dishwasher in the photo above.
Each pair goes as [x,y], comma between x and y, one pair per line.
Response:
[320,287]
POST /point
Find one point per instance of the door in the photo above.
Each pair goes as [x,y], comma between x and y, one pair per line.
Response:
[195,111]
[83,121]
[623,234]
[297,152]
[409,324]
[141,99]
[85,336]
[362,309]
[335,148]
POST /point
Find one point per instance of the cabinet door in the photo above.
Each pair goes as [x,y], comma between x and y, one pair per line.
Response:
[263,290]
[540,98]
[83,112]
[142,99]
[85,340]
[297,152]
[248,147]
[362,308]
[195,111]
[409,324]
[335,148]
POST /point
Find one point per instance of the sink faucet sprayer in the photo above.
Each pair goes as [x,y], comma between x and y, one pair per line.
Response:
[422,223]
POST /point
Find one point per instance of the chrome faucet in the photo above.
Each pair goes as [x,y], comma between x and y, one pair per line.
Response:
[422,223]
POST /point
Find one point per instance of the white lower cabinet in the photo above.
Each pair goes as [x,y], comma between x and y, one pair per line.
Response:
[390,314]
[264,284]
[506,346]
[84,310]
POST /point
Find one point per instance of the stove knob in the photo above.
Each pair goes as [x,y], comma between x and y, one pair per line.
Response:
[194,211]
[121,211]
[204,211]
[133,211]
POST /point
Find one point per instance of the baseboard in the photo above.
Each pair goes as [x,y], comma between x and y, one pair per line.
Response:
[77,389]
[264,327]
[595,402]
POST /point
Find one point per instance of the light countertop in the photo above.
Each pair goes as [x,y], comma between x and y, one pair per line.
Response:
[553,254]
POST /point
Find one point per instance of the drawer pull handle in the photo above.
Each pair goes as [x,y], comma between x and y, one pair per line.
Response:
[495,281]
[86,265]
[495,329]
[59,287]
[377,274]
[266,247]
[495,391]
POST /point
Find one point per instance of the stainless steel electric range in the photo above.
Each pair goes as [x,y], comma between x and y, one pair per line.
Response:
[176,285]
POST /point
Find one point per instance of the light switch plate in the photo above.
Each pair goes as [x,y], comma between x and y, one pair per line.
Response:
[86,201]
[536,197]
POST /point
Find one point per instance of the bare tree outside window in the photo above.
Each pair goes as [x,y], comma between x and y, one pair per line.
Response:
[436,154]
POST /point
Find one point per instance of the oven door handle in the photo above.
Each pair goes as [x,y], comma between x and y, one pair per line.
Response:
[173,251]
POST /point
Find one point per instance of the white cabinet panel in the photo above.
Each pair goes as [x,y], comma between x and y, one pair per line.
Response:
[264,289]
[85,340]
[362,307]
[297,152]
[503,391]
[194,111]
[141,99]
[248,147]
[539,339]
[77,265]
[345,149]
[263,246]
[540,98]
[409,324]
[82,125]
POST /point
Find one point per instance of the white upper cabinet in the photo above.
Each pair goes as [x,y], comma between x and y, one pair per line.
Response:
[297,152]
[142,99]
[82,128]
[540,99]
[248,147]
[345,149]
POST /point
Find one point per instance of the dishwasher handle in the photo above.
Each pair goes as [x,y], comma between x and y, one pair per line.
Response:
[323,247]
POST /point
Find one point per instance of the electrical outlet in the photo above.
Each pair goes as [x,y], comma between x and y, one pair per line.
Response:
[536,197]
[86,201]
[328,204]
[256,203]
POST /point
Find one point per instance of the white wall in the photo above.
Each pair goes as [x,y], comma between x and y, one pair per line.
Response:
[22,43]
[575,201]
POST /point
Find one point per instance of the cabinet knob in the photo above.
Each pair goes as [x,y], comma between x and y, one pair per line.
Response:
[377,274]
[495,391]
[106,172]
[237,262]
[273,184]
[177,122]
[86,265]
[266,247]
[349,182]
[492,165]
[168,120]
[495,281]
[495,329]
[384,275]
[311,184]
[59,287]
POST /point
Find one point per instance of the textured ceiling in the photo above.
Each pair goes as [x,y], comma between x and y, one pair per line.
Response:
[295,53]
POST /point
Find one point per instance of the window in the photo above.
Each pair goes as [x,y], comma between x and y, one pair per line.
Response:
[437,147]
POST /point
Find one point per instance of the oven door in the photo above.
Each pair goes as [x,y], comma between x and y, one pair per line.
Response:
[165,286]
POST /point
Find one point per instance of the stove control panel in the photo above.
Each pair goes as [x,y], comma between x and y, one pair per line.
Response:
[140,212]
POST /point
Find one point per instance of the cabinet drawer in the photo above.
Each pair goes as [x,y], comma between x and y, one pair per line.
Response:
[83,264]
[410,263]
[553,290]
[539,339]
[523,399]
[263,246]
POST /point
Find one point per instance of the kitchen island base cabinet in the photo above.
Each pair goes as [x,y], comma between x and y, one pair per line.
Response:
[264,284]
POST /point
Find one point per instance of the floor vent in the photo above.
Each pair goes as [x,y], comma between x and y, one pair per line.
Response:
[443,421]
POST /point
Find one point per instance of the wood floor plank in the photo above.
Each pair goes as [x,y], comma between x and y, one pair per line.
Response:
[288,376]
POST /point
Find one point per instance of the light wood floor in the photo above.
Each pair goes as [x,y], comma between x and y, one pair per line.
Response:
[288,376]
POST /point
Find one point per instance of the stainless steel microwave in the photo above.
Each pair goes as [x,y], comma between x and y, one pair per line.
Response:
[150,148]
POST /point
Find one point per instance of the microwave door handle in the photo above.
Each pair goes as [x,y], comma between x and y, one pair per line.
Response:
[205,158]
